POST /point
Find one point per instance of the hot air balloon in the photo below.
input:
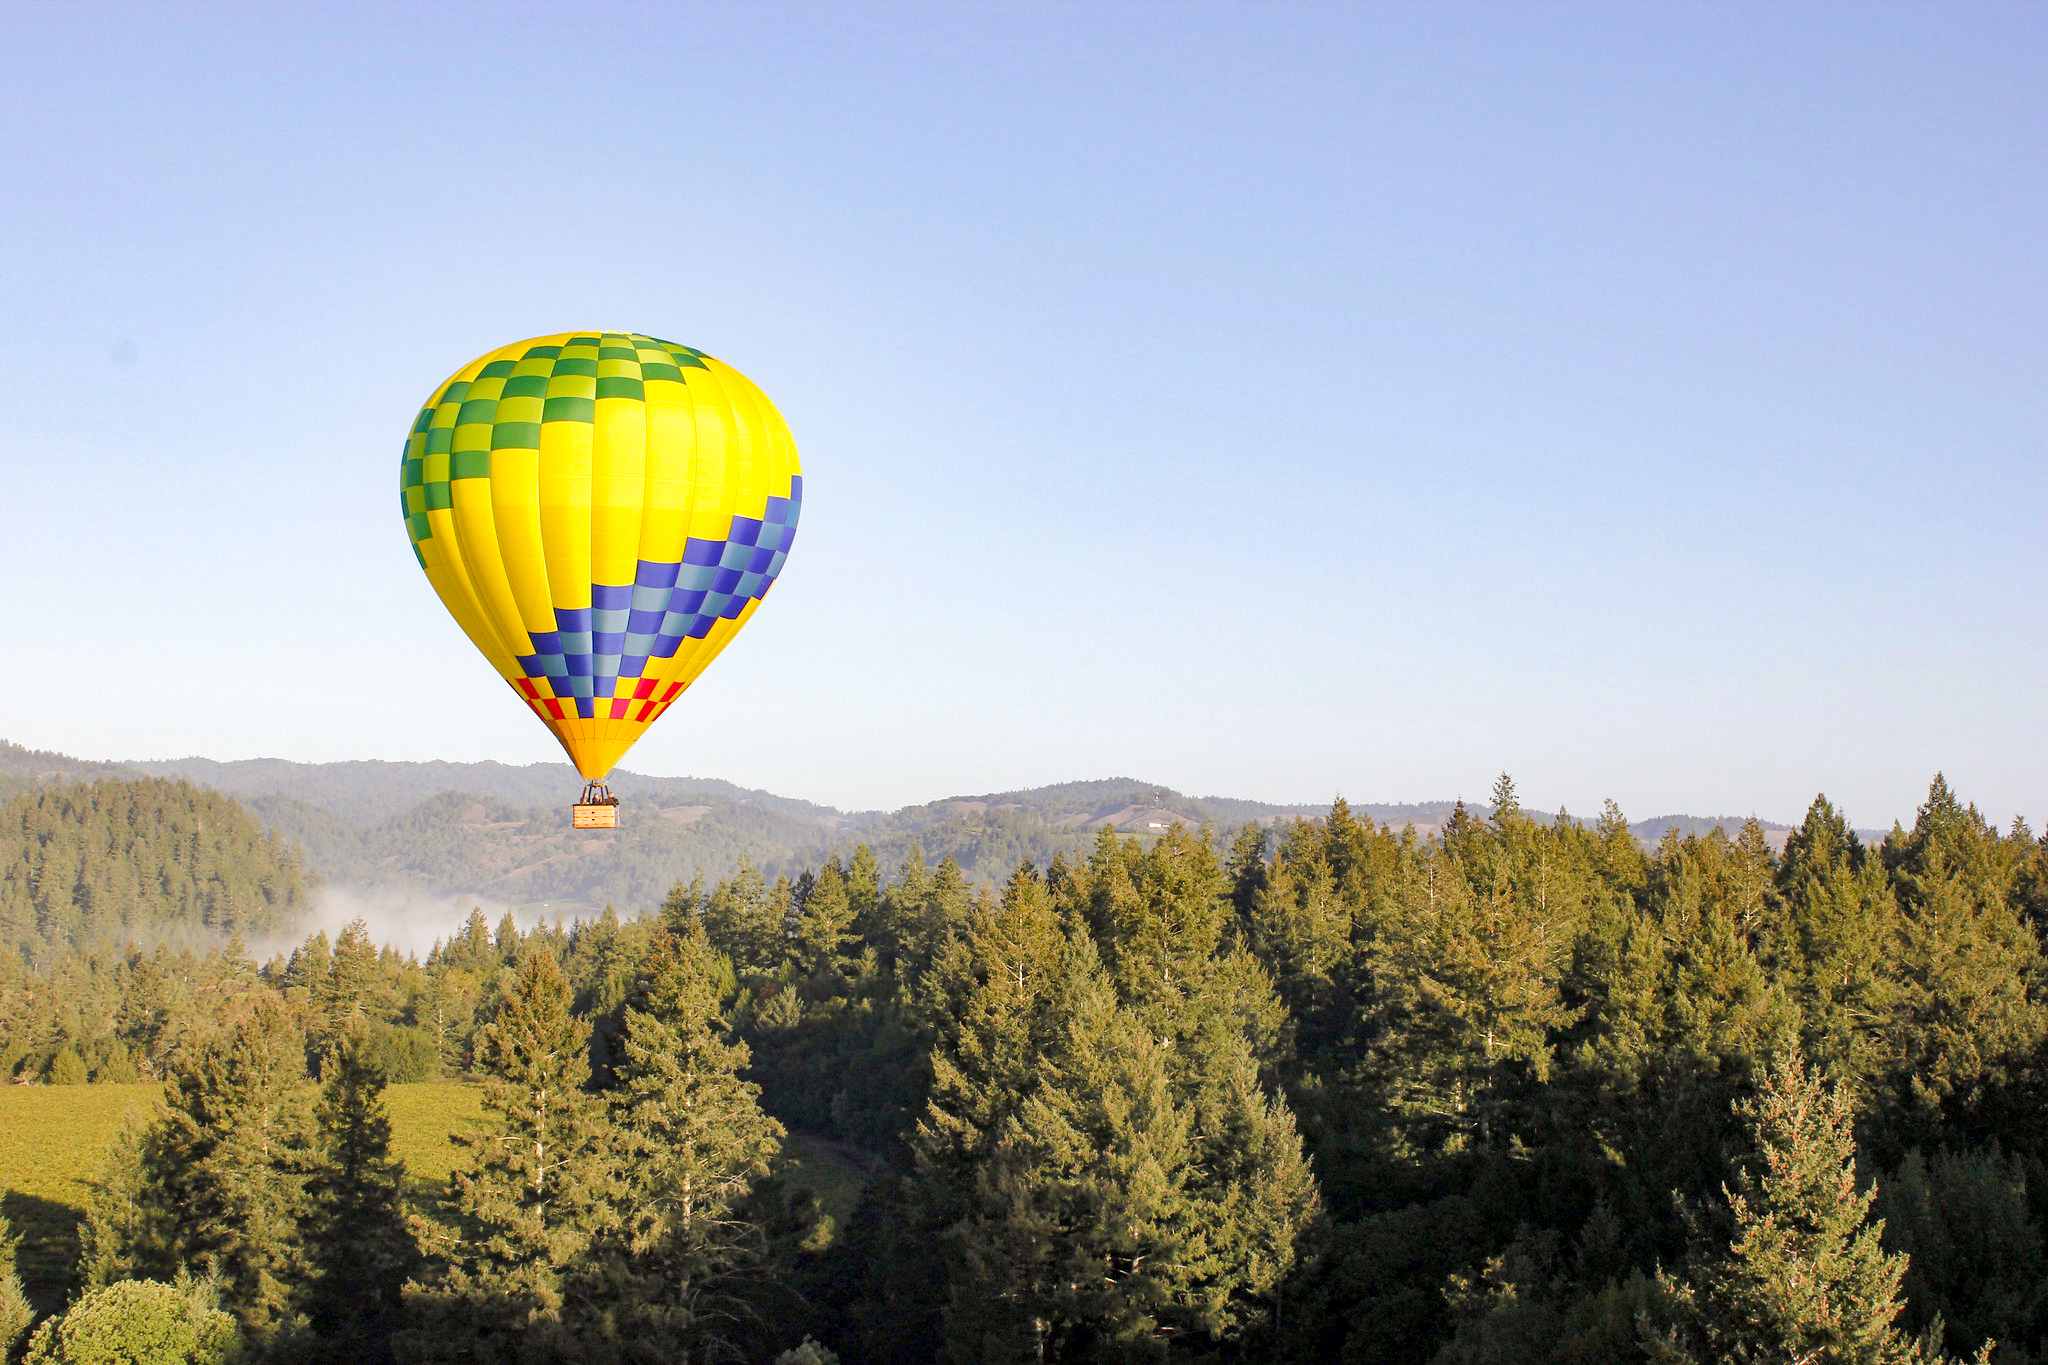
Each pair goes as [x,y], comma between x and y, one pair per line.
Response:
[600,512]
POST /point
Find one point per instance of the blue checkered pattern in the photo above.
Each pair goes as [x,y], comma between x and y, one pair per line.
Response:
[626,624]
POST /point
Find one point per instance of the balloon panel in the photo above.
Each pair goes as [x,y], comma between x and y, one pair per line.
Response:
[601,512]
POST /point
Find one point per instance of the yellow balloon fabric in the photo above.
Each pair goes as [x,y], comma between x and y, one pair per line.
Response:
[600,512]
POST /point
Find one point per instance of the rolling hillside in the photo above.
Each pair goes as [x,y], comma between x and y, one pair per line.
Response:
[497,832]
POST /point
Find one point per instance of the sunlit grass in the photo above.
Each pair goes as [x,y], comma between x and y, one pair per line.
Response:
[54,1141]
[53,1144]
[422,1118]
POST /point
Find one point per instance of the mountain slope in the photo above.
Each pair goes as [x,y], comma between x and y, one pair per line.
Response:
[497,831]
[368,790]
[22,769]
[111,861]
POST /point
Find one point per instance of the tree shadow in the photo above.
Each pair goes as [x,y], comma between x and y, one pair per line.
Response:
[49,1246]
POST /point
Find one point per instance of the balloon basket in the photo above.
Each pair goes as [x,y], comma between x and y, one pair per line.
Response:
[598,809]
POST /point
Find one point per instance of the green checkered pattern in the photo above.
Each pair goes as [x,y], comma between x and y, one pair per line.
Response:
[503,406]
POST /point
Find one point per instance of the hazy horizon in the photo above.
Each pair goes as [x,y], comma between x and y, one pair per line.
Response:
[1356,798]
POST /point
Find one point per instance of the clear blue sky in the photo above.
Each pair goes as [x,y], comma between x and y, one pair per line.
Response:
[1265,400]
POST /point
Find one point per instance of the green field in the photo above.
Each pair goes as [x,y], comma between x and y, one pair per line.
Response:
[422,1117]
[54,1139]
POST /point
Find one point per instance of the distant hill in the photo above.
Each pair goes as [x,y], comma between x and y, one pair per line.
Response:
[496,831]
[116,860]
[1650,831]
[369,790]
[23,769]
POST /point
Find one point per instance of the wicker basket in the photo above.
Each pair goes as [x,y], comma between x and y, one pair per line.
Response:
[594,816]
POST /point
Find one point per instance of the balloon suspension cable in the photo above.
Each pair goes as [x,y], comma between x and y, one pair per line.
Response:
[597,794]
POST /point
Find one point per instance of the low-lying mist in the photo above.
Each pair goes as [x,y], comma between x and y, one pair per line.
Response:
[410,921]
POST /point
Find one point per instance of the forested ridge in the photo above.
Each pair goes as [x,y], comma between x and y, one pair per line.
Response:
[109,862]
[402,833]
[1519,1090]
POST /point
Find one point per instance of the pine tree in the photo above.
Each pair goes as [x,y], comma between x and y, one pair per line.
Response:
[224,1169]
[112,1238]
[807,1352]
[1617,857]
[1788,1266]
[1962,1012]
[66,1068]
[1245,865]
[610,954]
[825,925]
[533,1194]
[997,1002]
[345,995]
[1979,1265]
[1068,1232]
[691,1144]
[15,1313]
[684,906]
[929,910]
[445,1006]
[1466,1000]
[508,941]
[307,973]
[1838,931]
[1300,929]
[1348,848]
[472,948]
[1109,1174]
[1723,1006]
[864,889]
[1678,1005]
[360,1248]
[743,922]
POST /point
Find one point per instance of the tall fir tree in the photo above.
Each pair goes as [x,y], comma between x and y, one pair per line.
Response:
[691,1144]
[1246,867]
[744,922]
[1788,1265]
[929,909]
[509,943]
[1065,1236]
[825,937]
[223,1193]
[472,948]
[111,1239]
[610,954]
[1300,927]
[308,970]
[347,995]
[360,1248]
[1979,1263]
[1966,1006]
[1835,942]
[1467,999]
[864,889]
[997,1000]
[532,1196]
[1108,1174]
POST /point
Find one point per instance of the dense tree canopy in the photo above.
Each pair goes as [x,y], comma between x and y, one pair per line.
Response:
[1523,1089]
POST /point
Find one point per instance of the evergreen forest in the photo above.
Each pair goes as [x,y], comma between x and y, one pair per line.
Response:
[1512,1088]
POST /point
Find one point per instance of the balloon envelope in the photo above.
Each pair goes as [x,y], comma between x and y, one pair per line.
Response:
[600,512]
